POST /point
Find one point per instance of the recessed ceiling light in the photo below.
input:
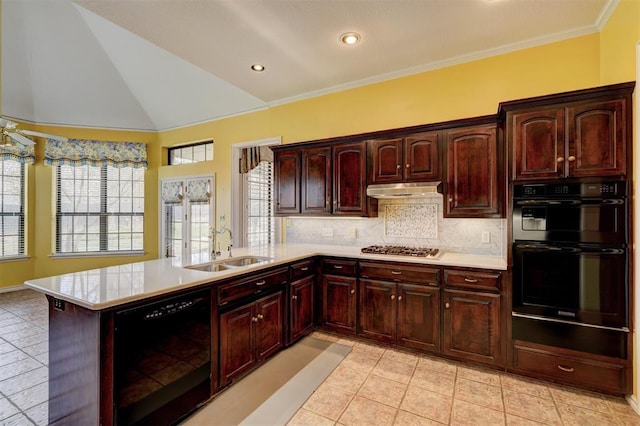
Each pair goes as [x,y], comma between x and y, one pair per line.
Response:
[350,38]
[257,67]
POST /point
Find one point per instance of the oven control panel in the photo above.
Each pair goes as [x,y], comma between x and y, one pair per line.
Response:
[581,189]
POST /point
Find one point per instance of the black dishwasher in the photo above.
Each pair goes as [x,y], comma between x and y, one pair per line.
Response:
[162,360]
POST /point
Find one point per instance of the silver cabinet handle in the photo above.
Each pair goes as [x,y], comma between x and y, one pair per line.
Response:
[259,283]
[560,160]
[294,297]
[470,280]
[337,266]
[393,297]
[571,158]
[399,298]
[304,269]
[254,319]
[566,369]
[353,291]
[447,305]
[260,316]
[396,272]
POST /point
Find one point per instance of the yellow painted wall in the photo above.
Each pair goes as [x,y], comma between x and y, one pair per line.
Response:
[618,41]
[39,225]
[465,90]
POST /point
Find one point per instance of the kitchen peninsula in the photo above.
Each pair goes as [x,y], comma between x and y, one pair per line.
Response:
[103,360]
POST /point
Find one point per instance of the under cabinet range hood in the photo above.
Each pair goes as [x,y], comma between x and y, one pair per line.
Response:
[405,190]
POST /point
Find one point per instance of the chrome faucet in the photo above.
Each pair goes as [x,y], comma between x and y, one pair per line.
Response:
[222,231]
[214,253]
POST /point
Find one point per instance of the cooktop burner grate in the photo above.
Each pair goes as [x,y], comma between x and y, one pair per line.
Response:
[402,251]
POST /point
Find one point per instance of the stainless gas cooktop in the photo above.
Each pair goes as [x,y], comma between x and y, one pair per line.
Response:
[432,253]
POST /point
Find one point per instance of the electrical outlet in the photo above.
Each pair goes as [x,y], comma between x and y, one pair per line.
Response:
[351,232]
[486,237]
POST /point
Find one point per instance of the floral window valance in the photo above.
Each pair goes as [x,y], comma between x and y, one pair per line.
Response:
[199,190]
[252,156]
[80,152]
[21,153]
[171,192]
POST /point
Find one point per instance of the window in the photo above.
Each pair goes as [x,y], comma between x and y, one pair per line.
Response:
[99,209]
[260,228]
[192,153]
[12,207]
[187,216]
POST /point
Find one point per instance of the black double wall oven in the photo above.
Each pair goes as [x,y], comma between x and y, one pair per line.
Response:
[570,266]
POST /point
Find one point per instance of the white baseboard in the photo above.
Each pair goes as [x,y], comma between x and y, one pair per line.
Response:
[633,402]
[12,288]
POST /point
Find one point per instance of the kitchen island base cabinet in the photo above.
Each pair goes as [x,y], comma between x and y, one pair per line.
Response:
[471,323]
[249,334]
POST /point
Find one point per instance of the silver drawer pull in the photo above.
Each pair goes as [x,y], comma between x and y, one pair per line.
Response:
[259,283]
[470,280]
[566,369]
[396,272]
[304,269]
[337,266]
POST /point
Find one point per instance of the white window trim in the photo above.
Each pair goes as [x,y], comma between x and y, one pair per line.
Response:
[237,209]
[187,229]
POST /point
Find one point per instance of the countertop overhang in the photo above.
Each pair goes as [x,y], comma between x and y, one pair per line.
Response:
[105,288]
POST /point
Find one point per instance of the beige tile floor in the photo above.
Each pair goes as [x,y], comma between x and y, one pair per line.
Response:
[372,386]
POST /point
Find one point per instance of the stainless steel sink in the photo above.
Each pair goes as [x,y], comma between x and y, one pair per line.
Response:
[226,264]
[244,261]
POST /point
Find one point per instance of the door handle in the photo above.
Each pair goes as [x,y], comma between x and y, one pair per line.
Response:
[262,282]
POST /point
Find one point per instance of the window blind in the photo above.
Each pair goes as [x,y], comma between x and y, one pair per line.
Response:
[12,207]
[261,227]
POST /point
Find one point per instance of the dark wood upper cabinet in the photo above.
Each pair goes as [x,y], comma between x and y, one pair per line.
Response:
[350,179]
[316,181]
[575,134]
[405,159]
[287,181]
[472,172]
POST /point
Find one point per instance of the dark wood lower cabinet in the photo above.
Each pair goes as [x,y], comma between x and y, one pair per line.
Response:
[471,326]
[404,314]
[339,303]
[418,317]
[301,311]
[249,334]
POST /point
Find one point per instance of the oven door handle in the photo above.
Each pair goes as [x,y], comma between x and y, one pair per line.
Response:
[543,247]
[548,202]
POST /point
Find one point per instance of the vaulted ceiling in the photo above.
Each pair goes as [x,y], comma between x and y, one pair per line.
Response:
[157,65]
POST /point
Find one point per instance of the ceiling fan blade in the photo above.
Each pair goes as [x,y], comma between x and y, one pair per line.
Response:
[8,124]
[43,135]
[20,139]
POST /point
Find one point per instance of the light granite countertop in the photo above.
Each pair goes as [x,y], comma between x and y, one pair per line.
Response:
[103,288]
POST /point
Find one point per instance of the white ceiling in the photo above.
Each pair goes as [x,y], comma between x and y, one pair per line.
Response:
[161,64]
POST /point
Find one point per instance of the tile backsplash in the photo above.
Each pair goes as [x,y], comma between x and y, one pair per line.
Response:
[416,222]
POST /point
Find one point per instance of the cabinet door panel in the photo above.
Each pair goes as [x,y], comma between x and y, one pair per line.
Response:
[269,332]
[339,303]
[472,326]
[539,143]
[419,317]
[472,185]
[421,157]
[387,160]
[597,139]
[378,310]
[302,303]
[349,192]
[316,181]
[236,343]
[287,181]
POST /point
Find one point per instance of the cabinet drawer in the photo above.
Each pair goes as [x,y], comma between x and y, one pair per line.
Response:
[339,267]
[254,284]
[591,373]
[472,279]
[400,273]
[302,269]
